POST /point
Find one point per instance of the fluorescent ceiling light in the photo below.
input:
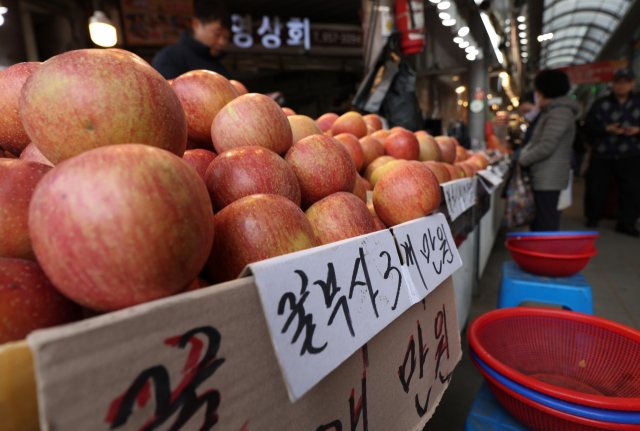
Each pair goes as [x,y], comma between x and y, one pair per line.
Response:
[444,5]
[460,89]
[524,41]
[470,49]
[493,37]
[458,39]
[471,57]
[522,18]
[522,34]
[522,26]
[524,54]
[444,15]
[449,22]
[463,31]
[464,44]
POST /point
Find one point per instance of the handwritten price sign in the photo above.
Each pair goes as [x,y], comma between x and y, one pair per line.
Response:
[428,251]
[460,195]
[489,180]
[324,304]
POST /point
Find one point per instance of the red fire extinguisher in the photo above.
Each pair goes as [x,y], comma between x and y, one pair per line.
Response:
[410,24]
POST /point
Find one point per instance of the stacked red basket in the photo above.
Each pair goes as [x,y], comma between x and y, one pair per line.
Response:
[560,370]
[552,254]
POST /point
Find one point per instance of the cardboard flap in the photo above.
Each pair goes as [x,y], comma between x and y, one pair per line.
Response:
[204,360]
[18,405]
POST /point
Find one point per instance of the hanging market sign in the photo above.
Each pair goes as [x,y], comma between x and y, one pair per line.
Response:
[155,22]
[593,73]
[273,33]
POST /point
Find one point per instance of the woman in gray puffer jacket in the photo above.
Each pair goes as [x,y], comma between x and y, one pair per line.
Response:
[548,154]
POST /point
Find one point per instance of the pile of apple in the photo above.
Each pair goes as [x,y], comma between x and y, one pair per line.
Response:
[129,188]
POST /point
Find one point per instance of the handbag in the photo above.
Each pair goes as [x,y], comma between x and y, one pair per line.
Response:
[520,209]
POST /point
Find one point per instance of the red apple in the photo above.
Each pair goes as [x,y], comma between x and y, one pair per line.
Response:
[91,98]
[325,121]
[453,172]
[239,86]
[323,166]
[351,122]
[381,135]
[419,133]
[397,129]
[370,129]
[203,94]
[373,120]
[455,141]
[380,161]
[461,154]
[339,216]
[367,184]
[288,112]
[247,171]
[360,190]
[255,228]
[402,144]
[379,225]
[28,301]
[352,144]
[198,283]
[406,193]
[199,160]
[303,126]
[479,160]
[18,179]
[441,173]
[371,149]
[429,149]
[121,225]
[382,170]
[372,209]
[467,169]
[252,120]
[447,149]
[13,137]
[32,154]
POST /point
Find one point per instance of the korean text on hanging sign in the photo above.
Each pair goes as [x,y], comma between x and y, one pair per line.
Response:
[460,195]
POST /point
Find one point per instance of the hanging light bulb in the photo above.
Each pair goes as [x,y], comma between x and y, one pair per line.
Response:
[102,31]
[3,10]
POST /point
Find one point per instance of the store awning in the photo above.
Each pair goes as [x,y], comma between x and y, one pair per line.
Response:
[580,28]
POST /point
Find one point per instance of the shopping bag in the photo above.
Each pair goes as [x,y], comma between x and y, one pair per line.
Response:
[520,209]
[388,89]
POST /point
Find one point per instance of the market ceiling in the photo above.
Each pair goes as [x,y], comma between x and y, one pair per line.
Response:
[580,28]
[324,11]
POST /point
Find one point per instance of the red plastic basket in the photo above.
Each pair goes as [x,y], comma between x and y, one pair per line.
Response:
[563,245]
[550,265]
[575,357]
[539,417]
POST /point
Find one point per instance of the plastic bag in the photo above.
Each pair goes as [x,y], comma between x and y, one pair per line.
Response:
[520,209]
[389,89]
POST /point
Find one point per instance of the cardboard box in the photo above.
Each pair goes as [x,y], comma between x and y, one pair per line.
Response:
[205,358]
[84,368]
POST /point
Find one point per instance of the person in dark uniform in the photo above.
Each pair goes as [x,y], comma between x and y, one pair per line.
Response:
[201,50]
[614,123]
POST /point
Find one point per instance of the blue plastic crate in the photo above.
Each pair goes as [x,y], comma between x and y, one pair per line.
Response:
[517,286]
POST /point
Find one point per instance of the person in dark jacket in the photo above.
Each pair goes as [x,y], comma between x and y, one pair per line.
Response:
[201,50]
[548,155]
[614,124]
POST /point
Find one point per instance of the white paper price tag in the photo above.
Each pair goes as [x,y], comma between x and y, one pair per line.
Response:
[323,304]
[428,251]
[460,195]
[489,180]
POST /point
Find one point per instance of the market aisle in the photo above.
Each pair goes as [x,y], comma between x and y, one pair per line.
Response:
[614,276]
